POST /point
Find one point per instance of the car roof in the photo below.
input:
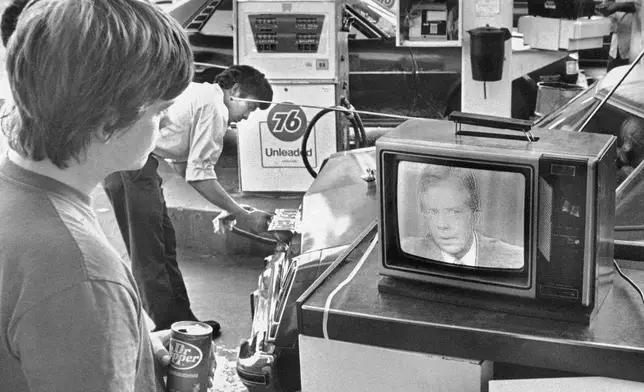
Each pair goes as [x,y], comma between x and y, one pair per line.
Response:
[628,95]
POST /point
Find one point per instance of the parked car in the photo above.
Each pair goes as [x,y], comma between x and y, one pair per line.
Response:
[342,201]
[622,115]
[426,81]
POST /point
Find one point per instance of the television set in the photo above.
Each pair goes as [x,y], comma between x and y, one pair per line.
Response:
[490,218]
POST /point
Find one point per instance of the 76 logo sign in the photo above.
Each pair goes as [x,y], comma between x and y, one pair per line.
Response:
[287,122]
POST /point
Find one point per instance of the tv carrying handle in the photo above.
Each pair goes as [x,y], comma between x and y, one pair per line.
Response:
[482,120]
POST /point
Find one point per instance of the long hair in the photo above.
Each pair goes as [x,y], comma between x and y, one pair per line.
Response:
[87,68]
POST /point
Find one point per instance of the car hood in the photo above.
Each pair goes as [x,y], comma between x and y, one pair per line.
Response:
[341,202]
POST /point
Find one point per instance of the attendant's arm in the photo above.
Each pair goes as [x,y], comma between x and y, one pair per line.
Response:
[627,6]
[612,7]
[206,146]
[211,190]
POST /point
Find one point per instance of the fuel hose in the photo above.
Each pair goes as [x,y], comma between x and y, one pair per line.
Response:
[356,123]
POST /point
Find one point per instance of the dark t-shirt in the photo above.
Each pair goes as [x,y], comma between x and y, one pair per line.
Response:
[70,313]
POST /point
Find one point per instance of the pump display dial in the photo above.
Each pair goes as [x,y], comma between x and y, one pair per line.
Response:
[286,33]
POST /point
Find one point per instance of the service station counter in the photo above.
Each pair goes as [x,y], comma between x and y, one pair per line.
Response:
[351,332]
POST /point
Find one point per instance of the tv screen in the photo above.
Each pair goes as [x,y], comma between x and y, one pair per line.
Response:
[463,217]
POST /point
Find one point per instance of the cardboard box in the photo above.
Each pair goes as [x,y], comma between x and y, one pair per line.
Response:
[568,384]
[540,33]
[583,33]
[563,34]
[332,365]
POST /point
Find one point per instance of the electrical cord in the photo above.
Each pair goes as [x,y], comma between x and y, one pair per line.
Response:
[356,122]
[629,280]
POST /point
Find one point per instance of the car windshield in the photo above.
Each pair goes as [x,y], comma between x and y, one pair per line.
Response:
[627,99]
[622,115]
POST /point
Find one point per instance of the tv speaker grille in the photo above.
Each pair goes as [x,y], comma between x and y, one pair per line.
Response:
[545,218]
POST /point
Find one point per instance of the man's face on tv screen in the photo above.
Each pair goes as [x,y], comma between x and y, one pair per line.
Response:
[451,221]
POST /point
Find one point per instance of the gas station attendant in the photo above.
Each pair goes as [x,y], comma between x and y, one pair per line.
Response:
[192,133]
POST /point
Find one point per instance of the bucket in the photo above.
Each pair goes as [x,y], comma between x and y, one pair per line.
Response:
[552,95]
[487,52]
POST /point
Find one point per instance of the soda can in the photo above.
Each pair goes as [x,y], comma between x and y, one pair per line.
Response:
[190,347]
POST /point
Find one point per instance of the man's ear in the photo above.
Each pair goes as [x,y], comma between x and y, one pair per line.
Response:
[111,119]
[235,90]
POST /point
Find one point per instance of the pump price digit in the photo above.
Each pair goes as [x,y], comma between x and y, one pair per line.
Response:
[286,122]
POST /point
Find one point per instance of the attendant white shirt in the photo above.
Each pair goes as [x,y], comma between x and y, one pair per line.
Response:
[468,259]
[636,31]
[193,129]
[621,37]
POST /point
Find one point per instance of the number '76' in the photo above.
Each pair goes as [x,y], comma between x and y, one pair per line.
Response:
[287,121]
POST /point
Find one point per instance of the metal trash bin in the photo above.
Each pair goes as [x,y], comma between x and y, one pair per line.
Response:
[552,95]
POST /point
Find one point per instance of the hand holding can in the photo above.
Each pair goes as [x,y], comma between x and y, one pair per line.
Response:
[191,357]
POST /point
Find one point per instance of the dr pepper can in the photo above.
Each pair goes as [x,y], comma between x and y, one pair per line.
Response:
[190,346]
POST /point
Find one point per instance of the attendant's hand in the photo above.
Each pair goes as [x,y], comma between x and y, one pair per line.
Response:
[256,221]
[606,9]
[160,344]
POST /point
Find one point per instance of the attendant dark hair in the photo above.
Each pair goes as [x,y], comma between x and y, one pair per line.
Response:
[251,83]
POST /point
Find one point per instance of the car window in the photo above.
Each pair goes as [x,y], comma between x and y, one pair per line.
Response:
[608,120]
[571,115]
[629,216]
[622,115]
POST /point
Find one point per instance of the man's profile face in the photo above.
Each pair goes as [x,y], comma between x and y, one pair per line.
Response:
[240,110]
[451,221]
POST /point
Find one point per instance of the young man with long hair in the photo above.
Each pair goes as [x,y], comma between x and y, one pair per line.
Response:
[89,81]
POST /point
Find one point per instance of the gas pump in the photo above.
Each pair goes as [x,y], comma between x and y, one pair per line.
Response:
[300,47]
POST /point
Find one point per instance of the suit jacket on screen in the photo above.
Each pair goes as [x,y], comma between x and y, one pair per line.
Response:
[490,252]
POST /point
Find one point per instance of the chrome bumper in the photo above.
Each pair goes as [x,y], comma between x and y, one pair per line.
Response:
[257,359]
[256,369]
